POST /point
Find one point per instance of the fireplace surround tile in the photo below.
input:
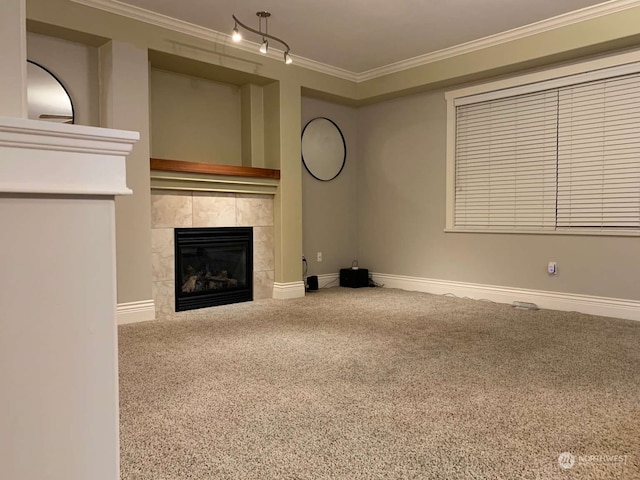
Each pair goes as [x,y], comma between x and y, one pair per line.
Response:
[214,209]
[164,298]
[254,210]
[263,284]
[263,255]
[162,255]
[171,209]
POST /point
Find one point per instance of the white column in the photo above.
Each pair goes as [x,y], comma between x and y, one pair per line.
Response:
[13,58]
[58,343]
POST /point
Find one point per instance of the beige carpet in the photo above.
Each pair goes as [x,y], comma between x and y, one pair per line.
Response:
[380,384]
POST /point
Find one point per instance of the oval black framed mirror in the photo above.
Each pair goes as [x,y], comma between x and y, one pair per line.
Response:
[47,99]
[324,151]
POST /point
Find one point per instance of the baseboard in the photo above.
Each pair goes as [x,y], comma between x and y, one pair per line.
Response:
[287,291]
[604,306]
[134,312]
[328,280]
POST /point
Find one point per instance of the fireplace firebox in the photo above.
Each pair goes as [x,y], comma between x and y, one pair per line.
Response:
[214,266]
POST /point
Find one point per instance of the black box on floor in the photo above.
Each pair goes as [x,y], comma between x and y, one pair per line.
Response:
[312,283]
[354,277]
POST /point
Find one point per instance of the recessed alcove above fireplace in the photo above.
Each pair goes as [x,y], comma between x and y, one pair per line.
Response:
[214,266]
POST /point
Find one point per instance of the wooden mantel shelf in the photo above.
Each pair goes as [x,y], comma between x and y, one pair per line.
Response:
[209,177]
[213,169]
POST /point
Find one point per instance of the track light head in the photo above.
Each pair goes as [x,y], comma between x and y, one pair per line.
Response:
[287,58]
[236,36]
[264,47]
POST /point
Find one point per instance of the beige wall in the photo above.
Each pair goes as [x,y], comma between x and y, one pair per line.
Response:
[329,217]
[284,147]
[125,105]
[252,126]
[76,66]
[401,213]
[13,53]
[195,119]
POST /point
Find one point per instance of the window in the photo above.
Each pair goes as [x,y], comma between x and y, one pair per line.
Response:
[559,155]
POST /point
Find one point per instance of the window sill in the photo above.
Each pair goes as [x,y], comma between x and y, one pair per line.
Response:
[576,231]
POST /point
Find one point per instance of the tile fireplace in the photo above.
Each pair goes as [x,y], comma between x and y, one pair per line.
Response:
[172,210]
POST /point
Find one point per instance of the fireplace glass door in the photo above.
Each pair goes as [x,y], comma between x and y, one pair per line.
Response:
[214,266]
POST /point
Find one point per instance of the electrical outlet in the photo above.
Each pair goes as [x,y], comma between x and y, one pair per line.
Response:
[552,268]
[319,256]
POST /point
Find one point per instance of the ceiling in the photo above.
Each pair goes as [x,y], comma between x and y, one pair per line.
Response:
[363,35]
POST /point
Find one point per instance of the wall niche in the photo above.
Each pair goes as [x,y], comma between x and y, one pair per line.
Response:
[195,119]
[75,65]
[206,113]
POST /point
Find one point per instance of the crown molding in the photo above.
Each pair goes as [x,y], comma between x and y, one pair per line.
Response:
[570,18]
[326,69]
[164,21]
[197,31]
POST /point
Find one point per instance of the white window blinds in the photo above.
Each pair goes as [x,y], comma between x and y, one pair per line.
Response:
[558,159]
[599,154]
[506,163]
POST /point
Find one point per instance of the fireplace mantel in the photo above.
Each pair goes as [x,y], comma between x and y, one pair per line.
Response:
[208,177]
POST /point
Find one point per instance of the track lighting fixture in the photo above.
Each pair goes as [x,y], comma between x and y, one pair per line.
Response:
[264,47]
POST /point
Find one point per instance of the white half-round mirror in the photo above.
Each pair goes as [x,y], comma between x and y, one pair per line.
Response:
[47,99]
[324,151]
